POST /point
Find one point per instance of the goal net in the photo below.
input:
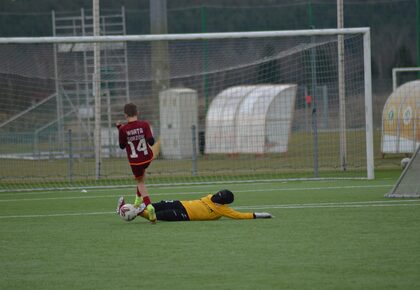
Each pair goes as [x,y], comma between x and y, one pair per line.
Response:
[408,184]
[224,107]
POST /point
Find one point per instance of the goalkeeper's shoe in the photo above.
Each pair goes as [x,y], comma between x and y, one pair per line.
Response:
[120,203]
[137,201]
[152,213]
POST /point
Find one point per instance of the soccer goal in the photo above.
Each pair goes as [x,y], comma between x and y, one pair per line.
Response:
[225,107]
[401,75]
[408,185]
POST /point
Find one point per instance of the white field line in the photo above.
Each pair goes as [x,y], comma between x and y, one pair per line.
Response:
[125,189]
[190,193]
[56,215]
[406,202]
[392,203]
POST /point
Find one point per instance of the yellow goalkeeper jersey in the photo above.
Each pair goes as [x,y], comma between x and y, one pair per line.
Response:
[204,209]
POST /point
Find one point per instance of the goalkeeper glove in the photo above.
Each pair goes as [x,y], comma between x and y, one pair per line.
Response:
[262,215]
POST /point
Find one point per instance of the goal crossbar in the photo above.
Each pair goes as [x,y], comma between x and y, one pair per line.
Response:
[188,36]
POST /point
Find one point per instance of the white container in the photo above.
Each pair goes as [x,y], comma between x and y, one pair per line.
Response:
[178,113]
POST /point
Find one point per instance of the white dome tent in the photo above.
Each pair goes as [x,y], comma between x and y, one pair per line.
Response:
[250,119]
[401,120]
[221,120]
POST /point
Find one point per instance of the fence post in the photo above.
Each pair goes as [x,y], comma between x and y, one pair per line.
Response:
[70,159]
[194,151]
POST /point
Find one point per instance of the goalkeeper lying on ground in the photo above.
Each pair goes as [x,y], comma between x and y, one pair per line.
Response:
[210,207]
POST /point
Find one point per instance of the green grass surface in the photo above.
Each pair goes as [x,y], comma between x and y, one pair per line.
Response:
[325,235]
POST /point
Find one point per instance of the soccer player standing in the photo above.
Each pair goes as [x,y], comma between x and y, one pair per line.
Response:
[136,138]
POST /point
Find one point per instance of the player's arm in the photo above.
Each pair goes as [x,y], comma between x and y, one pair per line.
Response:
[150,141]
[122,137]
[233,214]
[149,136]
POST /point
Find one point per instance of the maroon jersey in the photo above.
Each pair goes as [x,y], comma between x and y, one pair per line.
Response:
[134,137]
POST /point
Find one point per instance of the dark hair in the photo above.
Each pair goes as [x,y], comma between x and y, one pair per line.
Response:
[223,196]
[130,109]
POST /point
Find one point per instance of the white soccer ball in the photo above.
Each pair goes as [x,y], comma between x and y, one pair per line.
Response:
[404,162]
[128,212]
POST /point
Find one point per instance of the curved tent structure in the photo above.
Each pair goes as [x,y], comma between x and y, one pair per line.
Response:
[250,119]
[221,120]
[401,120]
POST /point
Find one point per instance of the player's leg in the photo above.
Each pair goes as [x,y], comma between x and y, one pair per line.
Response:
[142,194]
[170,210]
[172,215]
[139,172]
[120,203]
[167,210]
[142,191]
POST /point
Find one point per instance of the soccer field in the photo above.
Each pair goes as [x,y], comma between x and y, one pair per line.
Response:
[325,235]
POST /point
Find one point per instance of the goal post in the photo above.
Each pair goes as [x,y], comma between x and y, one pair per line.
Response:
[268,103]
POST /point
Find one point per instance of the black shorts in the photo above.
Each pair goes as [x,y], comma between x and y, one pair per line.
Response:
[170,210]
